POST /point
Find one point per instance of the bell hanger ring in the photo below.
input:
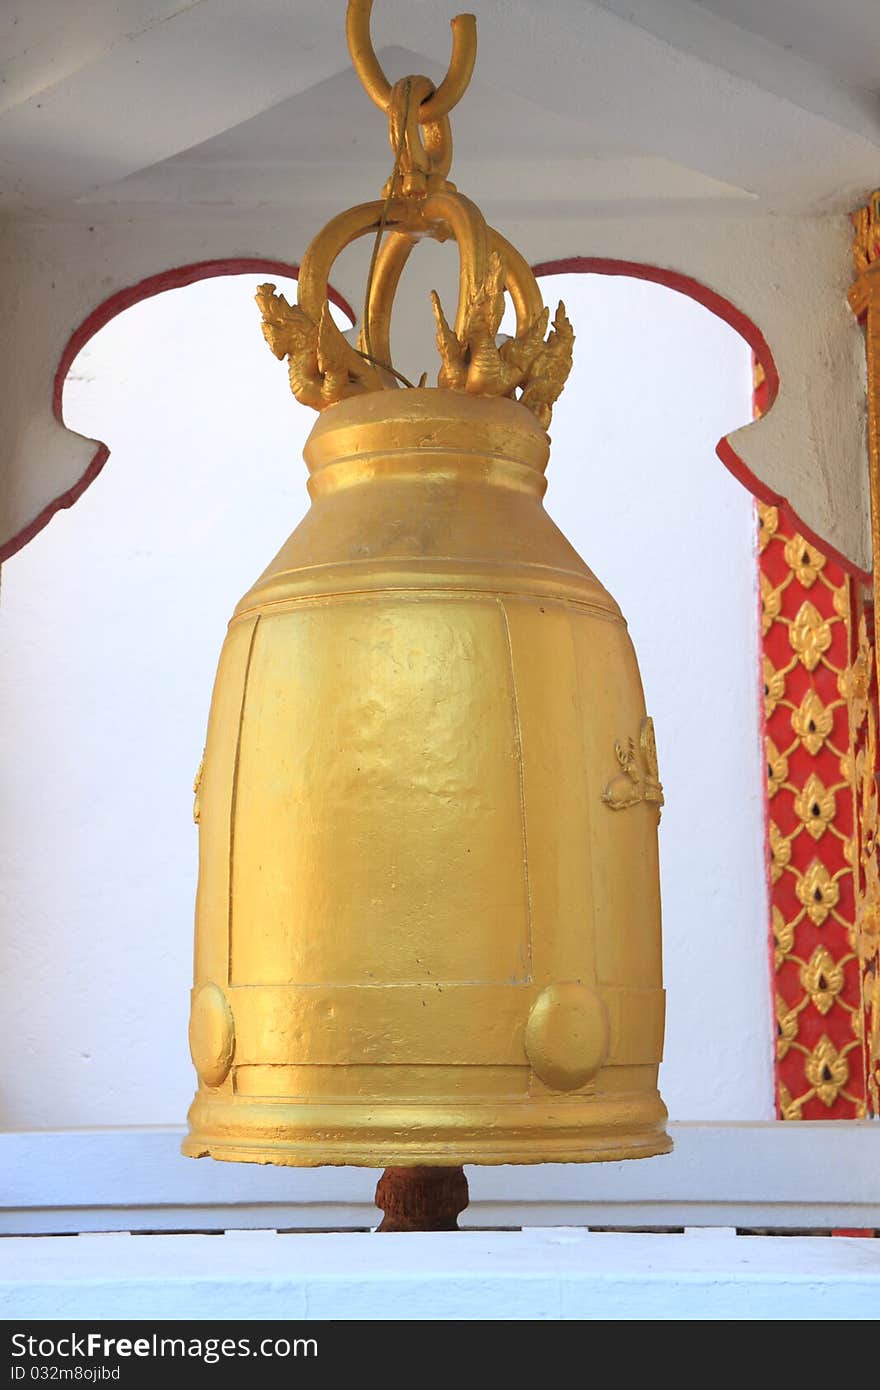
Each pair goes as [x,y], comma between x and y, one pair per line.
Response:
[368,68]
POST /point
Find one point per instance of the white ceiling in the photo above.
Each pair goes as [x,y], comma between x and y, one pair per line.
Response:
[841,36]
[114,108]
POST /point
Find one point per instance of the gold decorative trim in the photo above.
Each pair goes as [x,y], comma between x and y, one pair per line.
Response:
[197,783]
[639,777]
[864,298]
[866,235]
[419,201]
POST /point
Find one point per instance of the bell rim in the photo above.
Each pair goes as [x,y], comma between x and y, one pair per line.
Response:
[309,1155]
[580,1128]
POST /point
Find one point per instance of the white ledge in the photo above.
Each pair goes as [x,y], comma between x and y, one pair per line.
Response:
[789,1176]
[549,1274]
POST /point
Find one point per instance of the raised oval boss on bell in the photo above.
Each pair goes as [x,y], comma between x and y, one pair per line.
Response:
[428,914]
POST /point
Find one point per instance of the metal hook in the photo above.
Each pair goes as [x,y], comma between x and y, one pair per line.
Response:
[376,84]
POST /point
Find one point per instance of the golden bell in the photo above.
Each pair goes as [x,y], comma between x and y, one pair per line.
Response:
[428,918]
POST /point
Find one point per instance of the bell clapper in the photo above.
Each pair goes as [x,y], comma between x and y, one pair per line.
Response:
[421,1198]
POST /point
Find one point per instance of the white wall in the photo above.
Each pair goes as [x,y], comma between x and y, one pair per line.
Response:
[111,622]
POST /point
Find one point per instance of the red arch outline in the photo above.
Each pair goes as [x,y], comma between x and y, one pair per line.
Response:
[747,329]
[173,279]
[179,276]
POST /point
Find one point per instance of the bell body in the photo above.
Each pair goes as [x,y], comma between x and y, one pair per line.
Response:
[428,918]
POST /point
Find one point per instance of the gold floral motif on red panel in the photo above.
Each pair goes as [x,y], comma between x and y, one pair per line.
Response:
[821,747]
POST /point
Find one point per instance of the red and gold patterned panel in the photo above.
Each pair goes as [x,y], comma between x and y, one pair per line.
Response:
[821,746]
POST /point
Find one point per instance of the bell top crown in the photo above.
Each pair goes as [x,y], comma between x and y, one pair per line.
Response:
[419,200]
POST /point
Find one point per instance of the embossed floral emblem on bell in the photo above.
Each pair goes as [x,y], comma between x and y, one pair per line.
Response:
[428,917]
